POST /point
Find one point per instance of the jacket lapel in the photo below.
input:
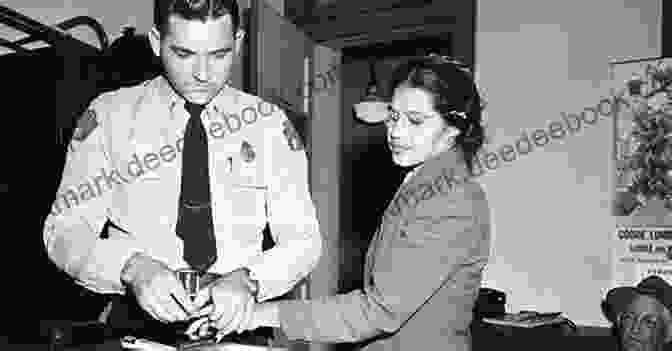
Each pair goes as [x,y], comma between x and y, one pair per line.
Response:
[437,172]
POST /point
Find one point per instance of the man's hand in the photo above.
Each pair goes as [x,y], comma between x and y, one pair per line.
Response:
[157,289]
[232,297]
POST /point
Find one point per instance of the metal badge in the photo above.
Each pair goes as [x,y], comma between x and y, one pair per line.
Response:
[292,136]
[247,152]
[229,164]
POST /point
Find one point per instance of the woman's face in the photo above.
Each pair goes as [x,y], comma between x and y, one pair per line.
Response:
[415,130]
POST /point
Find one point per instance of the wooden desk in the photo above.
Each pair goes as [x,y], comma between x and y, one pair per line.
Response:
[109,345]
[484,339]
[489,338]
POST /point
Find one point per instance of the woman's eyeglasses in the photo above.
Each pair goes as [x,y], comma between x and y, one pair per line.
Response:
[414,117]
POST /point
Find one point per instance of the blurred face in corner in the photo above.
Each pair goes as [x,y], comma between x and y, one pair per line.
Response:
[643,325]
[416,132]
[197,56]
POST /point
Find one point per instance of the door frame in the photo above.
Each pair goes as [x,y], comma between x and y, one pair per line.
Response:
[341,26]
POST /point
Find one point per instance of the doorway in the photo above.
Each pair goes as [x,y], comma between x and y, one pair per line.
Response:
[369,177]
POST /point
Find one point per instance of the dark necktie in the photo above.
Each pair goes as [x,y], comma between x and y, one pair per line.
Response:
[194,221]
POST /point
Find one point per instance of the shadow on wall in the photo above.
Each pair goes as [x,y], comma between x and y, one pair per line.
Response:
[130,61]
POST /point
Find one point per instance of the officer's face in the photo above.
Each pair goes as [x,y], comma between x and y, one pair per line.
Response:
[197,56]
[642,325]
[415,130]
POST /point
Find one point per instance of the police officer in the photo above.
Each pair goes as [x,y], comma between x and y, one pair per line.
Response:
[187,170]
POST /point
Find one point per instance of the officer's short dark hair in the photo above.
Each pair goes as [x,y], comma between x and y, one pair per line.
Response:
[194,10]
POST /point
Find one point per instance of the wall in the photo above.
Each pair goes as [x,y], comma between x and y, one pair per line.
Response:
[551,207]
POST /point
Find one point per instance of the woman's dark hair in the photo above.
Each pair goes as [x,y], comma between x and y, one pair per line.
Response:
[455,95]
[194,10]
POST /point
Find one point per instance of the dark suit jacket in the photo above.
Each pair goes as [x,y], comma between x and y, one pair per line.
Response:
[422,271]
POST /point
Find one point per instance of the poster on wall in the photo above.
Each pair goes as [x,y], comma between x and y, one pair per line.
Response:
[639,252]
[642,137]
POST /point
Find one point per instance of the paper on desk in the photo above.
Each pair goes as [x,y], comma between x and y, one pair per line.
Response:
[232,347]
[140,344]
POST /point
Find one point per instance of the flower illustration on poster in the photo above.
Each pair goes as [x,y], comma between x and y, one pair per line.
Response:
[644,142]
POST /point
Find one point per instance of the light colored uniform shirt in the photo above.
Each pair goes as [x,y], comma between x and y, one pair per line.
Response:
[124,164]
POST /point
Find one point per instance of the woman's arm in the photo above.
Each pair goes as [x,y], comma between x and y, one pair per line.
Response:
[441,239]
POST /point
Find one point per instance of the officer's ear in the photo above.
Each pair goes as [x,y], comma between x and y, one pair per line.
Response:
[155,41]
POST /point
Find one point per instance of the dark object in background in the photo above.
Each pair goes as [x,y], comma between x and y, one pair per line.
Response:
[63,333]
[490,303]
[130,61]
[625,202]
[666,36]
[50,88]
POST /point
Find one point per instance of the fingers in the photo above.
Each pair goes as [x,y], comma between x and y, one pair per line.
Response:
[205,330]
[246,322]
[186,307]
[164,299]
[173,306]
[232,306]
[223,302]
[240,315]
[195,325]
[152,305]
[205,311]
[251,286]
[203,296]
[223,315]
[197,328]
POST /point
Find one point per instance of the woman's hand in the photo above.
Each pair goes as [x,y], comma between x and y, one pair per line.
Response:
[263,315]
[233,298]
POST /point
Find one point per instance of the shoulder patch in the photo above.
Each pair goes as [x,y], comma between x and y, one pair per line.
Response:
[85,125]
[292,136]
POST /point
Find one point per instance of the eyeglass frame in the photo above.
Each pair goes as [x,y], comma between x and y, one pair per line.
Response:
[638,320]
[392,112]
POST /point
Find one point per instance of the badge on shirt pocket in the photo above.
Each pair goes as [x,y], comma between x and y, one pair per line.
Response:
[248,162]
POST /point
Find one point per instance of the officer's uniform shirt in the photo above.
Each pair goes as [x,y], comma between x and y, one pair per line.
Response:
[124,164]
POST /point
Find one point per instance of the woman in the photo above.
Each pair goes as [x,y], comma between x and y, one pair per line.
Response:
[424,265]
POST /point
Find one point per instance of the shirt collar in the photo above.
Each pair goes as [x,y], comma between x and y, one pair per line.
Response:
[412,172]
[171,98]
[167,94]
[450,161]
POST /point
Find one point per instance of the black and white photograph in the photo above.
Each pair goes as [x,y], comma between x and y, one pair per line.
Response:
[332,175]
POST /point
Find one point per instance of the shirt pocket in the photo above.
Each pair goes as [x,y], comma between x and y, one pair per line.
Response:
[247,212]
[248,202]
